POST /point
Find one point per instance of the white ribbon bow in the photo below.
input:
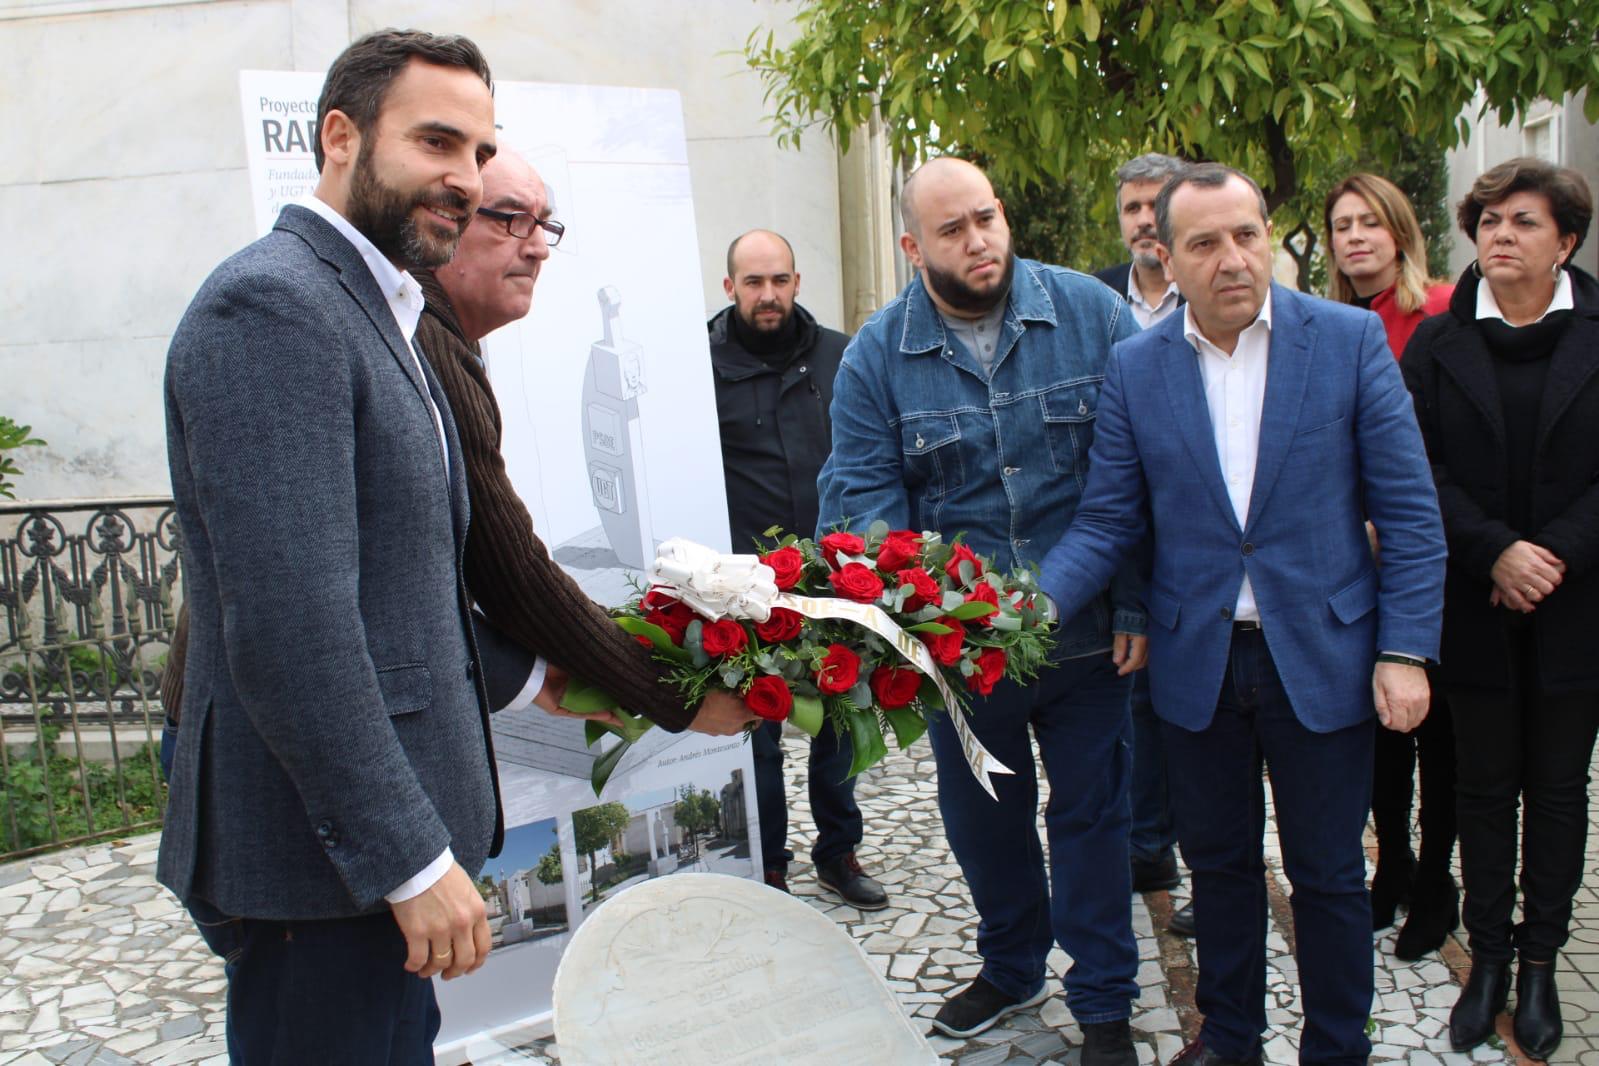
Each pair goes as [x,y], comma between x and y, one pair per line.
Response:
[716,585]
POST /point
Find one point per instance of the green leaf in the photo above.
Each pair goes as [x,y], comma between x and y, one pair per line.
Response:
[975,609]
[656,636]
[929,627]
[908,726]
[866,740]
[1091,20]
[1256,63]
[807,715]
[606,764]
[583,697]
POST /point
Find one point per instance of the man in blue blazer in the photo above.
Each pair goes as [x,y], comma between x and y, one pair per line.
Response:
[1251,437]
[333,788]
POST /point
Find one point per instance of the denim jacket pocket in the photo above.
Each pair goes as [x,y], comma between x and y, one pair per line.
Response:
[1069,412]
[932,449]
[406,688]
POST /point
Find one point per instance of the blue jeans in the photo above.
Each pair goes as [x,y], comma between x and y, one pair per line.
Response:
[326,991]
[1153,834]
[1321,788]
[1078,713]
[832,792]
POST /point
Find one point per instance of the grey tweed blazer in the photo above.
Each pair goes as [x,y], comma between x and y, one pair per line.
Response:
[334,733]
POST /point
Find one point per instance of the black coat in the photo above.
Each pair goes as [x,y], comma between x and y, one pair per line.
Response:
[776,433]
[1116,278]
[1450,373]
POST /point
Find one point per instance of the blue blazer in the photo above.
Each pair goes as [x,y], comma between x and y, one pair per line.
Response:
[1338,445]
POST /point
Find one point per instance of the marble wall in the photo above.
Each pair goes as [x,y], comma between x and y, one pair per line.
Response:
[124,183]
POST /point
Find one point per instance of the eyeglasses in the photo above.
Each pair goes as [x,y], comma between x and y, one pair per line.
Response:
[521,224]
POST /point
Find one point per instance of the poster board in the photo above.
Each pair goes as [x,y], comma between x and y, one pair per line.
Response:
[612,440]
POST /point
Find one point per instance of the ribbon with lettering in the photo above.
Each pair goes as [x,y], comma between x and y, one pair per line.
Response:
[743,587]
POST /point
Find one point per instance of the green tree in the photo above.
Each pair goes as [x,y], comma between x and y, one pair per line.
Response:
[595,828]
[549,870]
[12,437]
[697,813]
[1283,89]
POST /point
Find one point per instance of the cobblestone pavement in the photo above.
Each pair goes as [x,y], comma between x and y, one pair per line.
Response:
[98,964]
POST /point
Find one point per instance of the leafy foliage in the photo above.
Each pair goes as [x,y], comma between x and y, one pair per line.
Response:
[32,791]
[697,813]
[12,437]
[593,828]
[1283,89]
[549,870]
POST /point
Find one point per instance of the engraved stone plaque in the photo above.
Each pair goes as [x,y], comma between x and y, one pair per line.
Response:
[704,969]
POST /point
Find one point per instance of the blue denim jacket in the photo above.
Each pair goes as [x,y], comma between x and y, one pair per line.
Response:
[924,438]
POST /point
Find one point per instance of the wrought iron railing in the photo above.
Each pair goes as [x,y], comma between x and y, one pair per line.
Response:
[90,591]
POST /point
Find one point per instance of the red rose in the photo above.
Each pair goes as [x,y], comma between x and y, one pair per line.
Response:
[927,590]
[726,637]
[841,668]
[656,599]
[787,564]
[848,543]
[673,619]
[784,624]
[990,668]
[953,567]
[857,582]
[768,697]
[895,687]
[642,639]
[946,647]
[899,548]
[985,593]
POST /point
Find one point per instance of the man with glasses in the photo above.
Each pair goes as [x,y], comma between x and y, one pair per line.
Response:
[508,570]
[774,370]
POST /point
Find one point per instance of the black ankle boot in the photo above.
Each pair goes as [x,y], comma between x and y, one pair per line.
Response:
[1537,1025]
[1434,914]
[1391,884]
[1472,1019]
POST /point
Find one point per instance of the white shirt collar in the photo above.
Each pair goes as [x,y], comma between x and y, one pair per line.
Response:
[1488,307]
[1191,331]
[399,288]
[1135,295]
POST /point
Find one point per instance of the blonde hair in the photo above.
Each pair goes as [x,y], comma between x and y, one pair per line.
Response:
[1394,213]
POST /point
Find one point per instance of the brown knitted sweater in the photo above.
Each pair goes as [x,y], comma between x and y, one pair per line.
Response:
[509,571]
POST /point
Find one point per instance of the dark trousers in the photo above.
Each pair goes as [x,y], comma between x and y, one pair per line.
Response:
[1535,746]
[1078,714]
[1153,832]
[1432,746]
[332,992]
[832,792]
[1321,786]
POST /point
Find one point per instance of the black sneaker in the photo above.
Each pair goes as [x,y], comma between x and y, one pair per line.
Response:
[1108,1044]
[1182,921]
[978,1007]
[1152,875]
[844,877]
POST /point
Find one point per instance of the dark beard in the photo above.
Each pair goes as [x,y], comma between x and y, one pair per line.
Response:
[754,326]
[384,214]
[961,296]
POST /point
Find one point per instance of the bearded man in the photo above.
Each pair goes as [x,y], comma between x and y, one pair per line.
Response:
[966,405]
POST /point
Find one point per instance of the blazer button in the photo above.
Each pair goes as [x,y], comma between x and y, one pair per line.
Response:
[1226,614]
[329,835]
[1249,549]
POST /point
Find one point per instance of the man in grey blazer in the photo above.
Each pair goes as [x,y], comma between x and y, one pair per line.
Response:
[333,789]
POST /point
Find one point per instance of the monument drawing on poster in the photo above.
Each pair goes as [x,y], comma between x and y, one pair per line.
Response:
[611,438]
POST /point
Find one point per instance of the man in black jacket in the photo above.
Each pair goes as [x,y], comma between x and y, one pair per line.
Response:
[774,384]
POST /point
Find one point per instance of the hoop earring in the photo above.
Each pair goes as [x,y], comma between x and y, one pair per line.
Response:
[1476,268]
[1555,270]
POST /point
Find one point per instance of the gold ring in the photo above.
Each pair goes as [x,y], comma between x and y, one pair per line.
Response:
[1530,591]
[443,954]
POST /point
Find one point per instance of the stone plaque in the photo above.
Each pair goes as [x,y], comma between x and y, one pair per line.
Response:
[705,969]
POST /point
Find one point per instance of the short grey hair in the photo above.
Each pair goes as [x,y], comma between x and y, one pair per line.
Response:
[1151,166]
[1204,176]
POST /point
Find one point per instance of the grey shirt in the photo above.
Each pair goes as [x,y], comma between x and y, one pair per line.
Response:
[979,335]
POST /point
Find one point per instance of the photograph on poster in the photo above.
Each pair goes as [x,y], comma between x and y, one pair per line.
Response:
[523,887]
[695,827]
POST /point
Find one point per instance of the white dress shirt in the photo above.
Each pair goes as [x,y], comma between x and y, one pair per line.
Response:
[1145,314]
[1488,307]
[1235,393]
[405,300]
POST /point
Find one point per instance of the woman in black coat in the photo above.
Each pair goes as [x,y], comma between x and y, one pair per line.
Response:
[1506,385]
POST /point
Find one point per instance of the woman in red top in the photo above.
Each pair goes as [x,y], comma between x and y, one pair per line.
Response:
[1380,262]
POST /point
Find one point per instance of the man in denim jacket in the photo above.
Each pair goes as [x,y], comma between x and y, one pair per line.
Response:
[967,405]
